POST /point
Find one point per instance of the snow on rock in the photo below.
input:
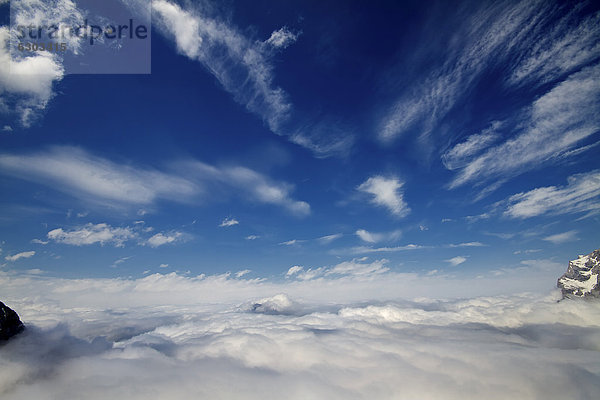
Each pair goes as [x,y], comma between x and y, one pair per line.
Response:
[582,277]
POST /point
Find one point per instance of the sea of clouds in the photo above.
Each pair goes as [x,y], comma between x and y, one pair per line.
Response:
[382,335]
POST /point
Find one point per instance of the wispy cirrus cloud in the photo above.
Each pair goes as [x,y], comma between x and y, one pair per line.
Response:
[244,68]
[387,192]
[459,155]
[254,185]
[492,31]
[535,44]
[555,123]
[102,182]
[95,179]
[581,194]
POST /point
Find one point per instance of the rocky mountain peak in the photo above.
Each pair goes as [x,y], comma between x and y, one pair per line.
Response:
[10,324]
[582,278]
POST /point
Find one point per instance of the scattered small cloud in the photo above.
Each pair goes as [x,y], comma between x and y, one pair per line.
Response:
[564,237]
[281,38]
[241,273]
[294,270]
[252,237]
[291,242]
[466,244]
[372,237]
[329,238]
[93,233]
[164,238]
[454,261]
[163,266]
[38,241]
[229,222]
[35,271]
[367,250]
[24,254]
[528,251]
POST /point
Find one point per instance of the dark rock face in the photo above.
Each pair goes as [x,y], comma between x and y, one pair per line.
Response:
[10,324]
[582,278]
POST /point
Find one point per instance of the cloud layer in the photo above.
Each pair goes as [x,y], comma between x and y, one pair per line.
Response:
[247,339]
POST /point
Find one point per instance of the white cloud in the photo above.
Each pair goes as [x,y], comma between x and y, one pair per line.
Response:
[93,233]
[163,266]
[229,222]
[164,238]
[24,254]
[7,128]
[252,237]
[564,237]
[281,38]
[581,194]
[29,78]
[387,192]
[254,340]
[38,241]
[26,81]
[372,237]
[454,261]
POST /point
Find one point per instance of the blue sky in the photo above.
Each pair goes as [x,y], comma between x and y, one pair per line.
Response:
[441,138]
